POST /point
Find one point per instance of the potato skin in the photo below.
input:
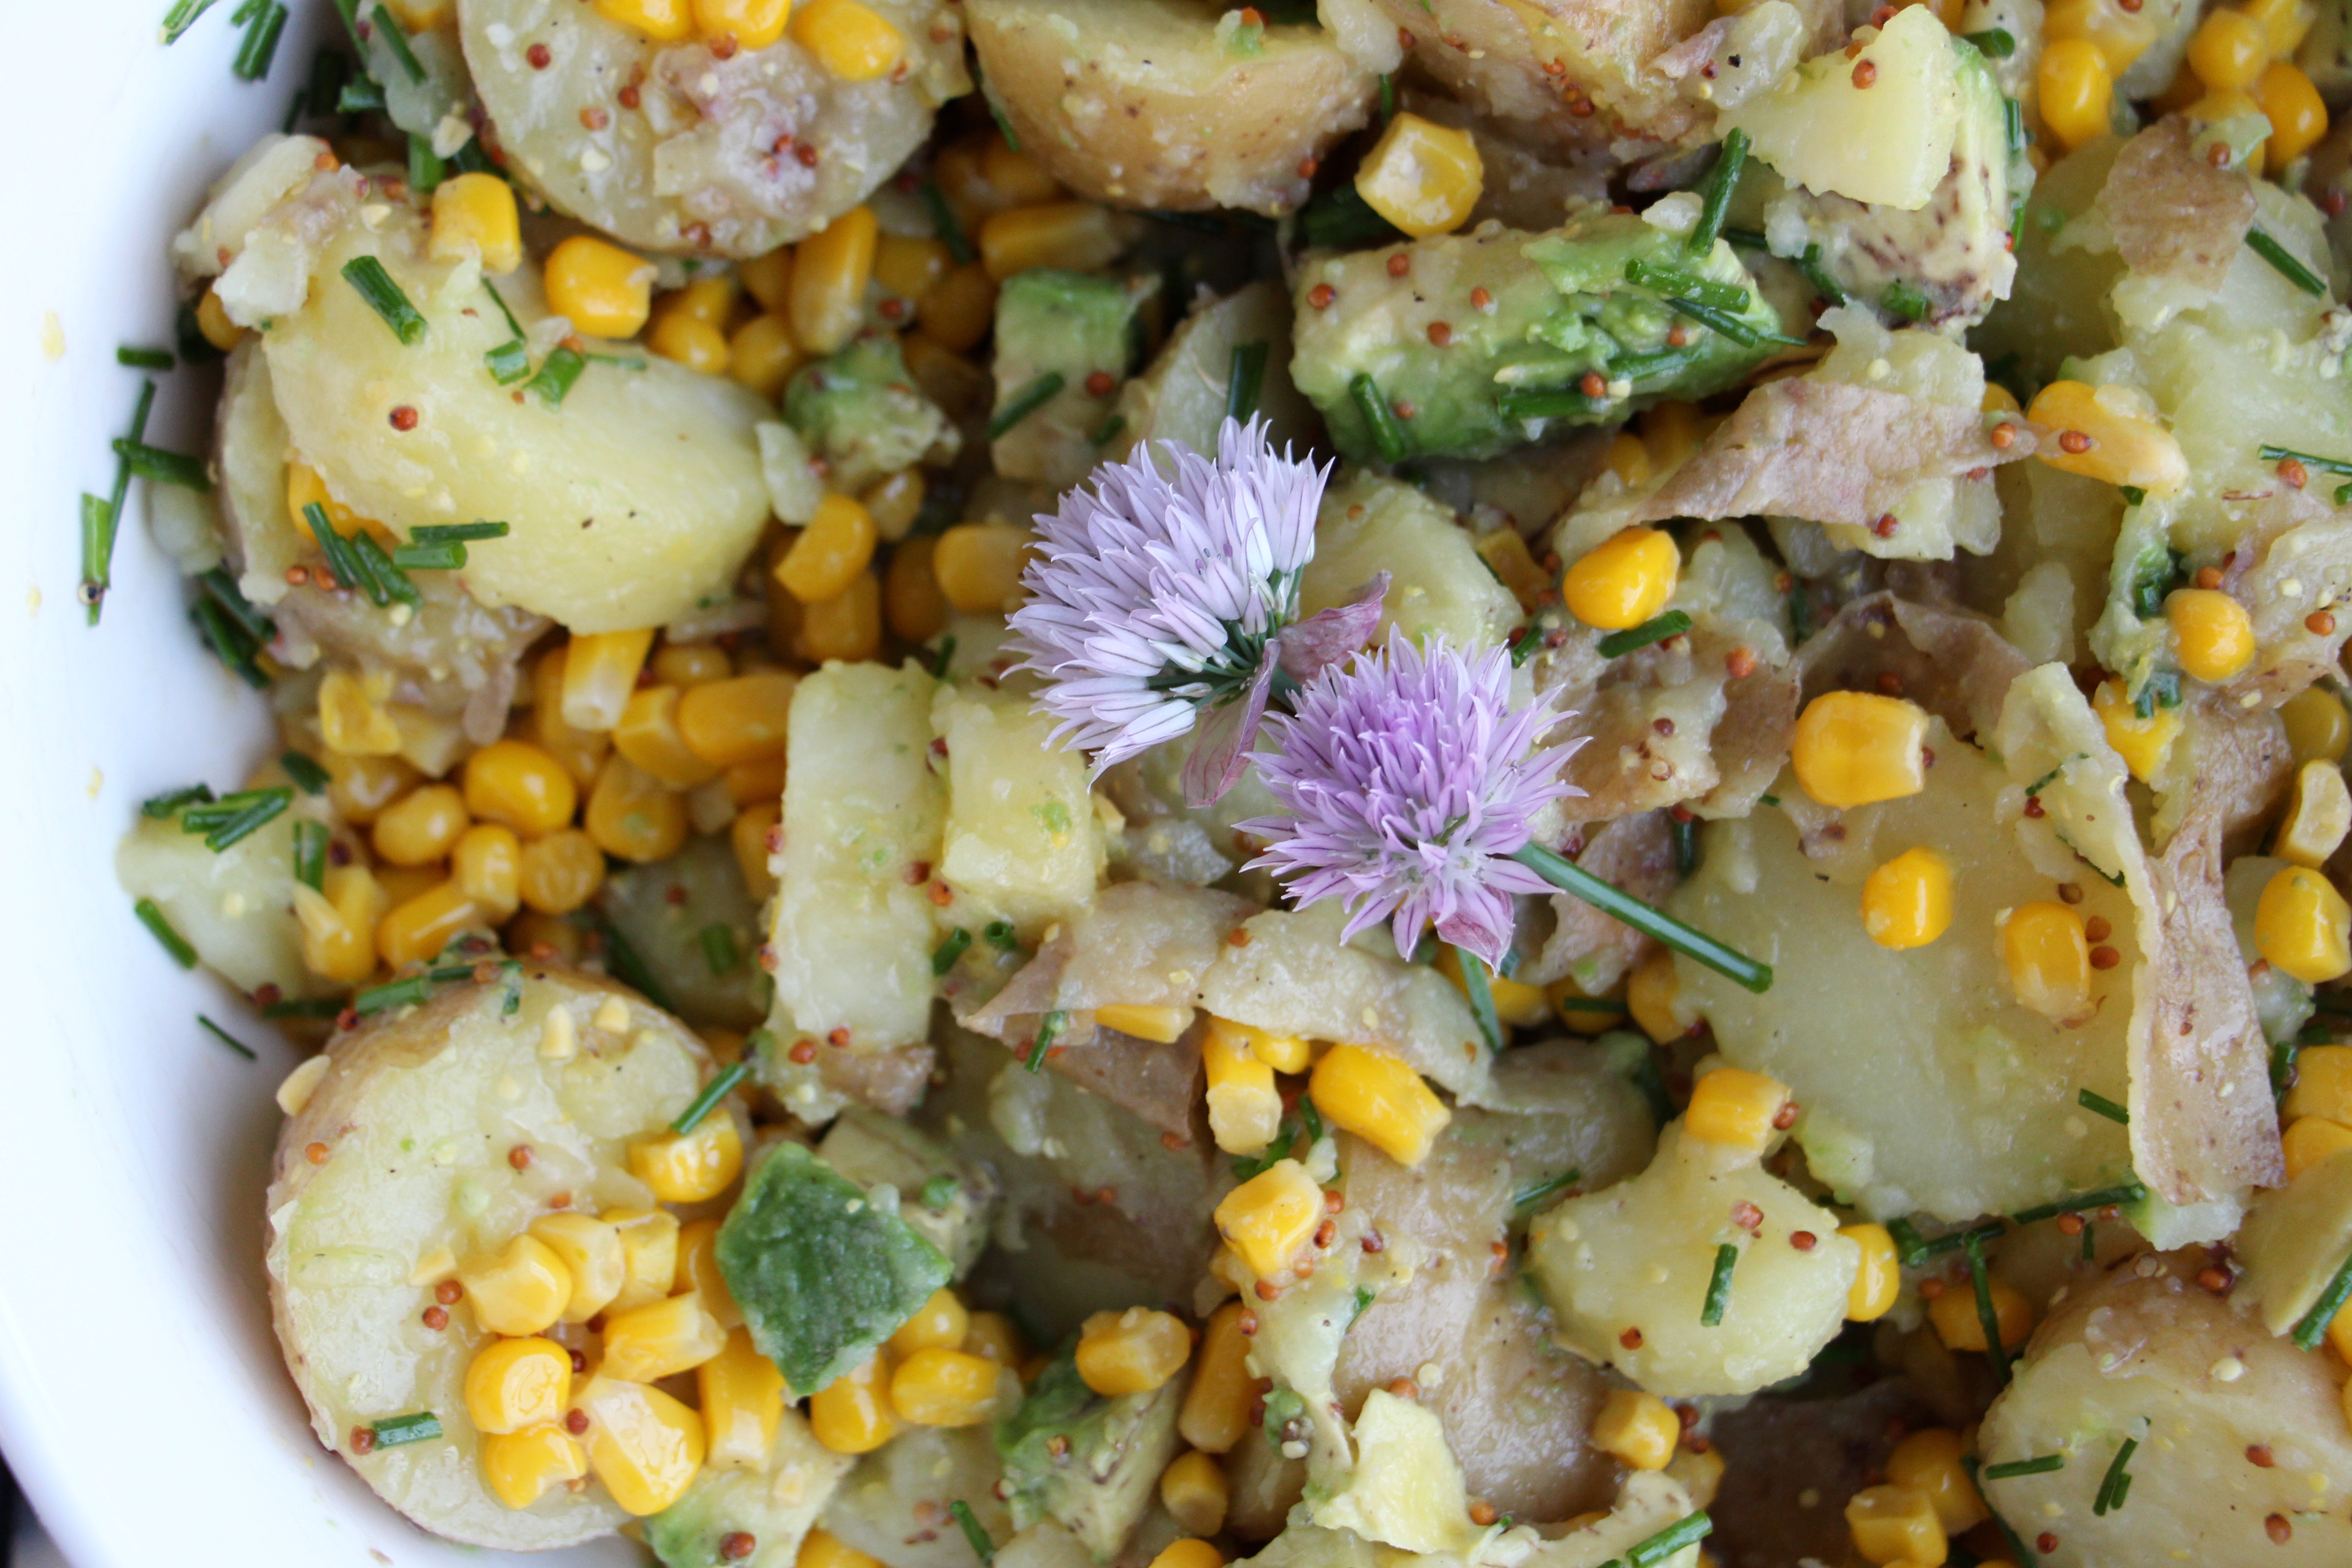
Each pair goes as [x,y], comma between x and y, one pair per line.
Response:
[1141,104]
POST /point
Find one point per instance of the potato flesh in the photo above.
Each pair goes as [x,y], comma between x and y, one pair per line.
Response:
[1022,837]
[1182,397]
[1438,585]
[417,1115]
[234,906]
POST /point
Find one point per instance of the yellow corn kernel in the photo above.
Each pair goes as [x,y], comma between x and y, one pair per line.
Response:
[830,553]
[1380,1098]
[2229,50]
[2298,116]
[514,1384]
[2077,92]
[1671,433]
[2323,1085]
[421,827]
[940,1323]
[2284,23]
[893,504]
[943,1388]
[1244,1108]
[1422,176]
[630,814]
[1929,1462]
[519,785]
[762,356]
[686,665]
[1630,460]
[599,671]
[660,1339]
[416,929]
[2105,434]
[1654,996]
[1016,176]
[560,872]
[690,341]
[1637,1430]
[2143,744]
[1079,236]
[848,627]
[821,1549]
[1215,1412]
[1193,1489]
[1894,1525]
[1585,1014]
[2301,925]
[1699,1474]
[211,320]
[2318,814]
[698,1263]
[1907,902]
[1852,748]
[769,279]
[2318,727]
[1505,554]
[1518,1004]
[1734,1108]
[590,1249]
[742,1397]
[911,600]
[1998,399]
[350,719]
[910,267]
[757,781]
[830,271]
[2308,1140]
[748,838]
[486,864]
[360,787]
[689,1167]
[1880,1278]
[1160,1025]
[2122,35]
[338,923]
[305,485]
[978,566]
[1133,1351]
[960,309]
[740,720]
[580,751]
[664,21]
[605,291]
[992,1336]
[649,1247]
[852,1415]
[848,39]
[1954,1316]
[519,1467]
[2048,958]
[1623,581]
[1269,1217]
[1189,1553]
[648,735]
[519,1290]
[752,24]
[2211,632]
[402,883]
[710,298]
[646,1447]
[474,215]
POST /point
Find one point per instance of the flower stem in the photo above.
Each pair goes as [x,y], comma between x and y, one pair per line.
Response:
[1622,906]
[1480,995]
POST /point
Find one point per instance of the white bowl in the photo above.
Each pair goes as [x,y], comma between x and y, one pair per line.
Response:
[143,1405]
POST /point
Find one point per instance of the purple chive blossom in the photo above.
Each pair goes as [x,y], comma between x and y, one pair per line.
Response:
[1169,585]
[1406,780]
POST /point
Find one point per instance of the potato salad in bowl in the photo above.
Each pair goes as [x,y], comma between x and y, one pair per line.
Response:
[1378,783]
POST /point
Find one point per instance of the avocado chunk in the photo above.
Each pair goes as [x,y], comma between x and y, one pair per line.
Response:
[1401,327]
[1088,1461]
[860,411]
[1083,329]
[1942,265]
[823,1270]
[947,1203]
[774,1504]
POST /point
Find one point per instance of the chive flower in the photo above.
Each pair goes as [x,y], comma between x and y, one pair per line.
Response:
[1164,597]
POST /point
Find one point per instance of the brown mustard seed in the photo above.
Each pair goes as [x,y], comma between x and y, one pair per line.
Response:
[1930,1290]
[803,1051]
[2292,470]
[437,1318]
[2045,1541]
[1306,167]
[2276,1527]
[1592,384]
[316,1153]
[1482,1512]
[575,1422]
[2319,624]
[1746,1216]
[1246,1324]
[2098,928]
[520,1156]
[2070,893]
[1267,1290]
[2216,1281]
[1333,1202]
[448,1292]
[1375,1242]
[1404,1388]
[2033,806]
[594,118]
[2070,1225]
[1804,1240]
[1480,299]
[1099,384]
[1884,527]
[404,417]
[1739,663]
[2076,442]
[1631,1339]
[2259,1456]
[2003,437]
[539,55]
[738,1544]
[1440,334]
[2208,576]
[2105,958]
[1865,72]
[1399,264]
[1786,1116]
[629,96]
[1321,296]
[363,1441]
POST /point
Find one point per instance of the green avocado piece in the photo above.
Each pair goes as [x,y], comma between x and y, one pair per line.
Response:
[1473,378]
[1077,326]
[774,1505]
[859,410]
[1088,1461]
[948,1204]
[822,1271]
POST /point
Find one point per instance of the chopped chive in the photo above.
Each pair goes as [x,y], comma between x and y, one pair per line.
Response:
[2017,1551]
[229,643]
[2325,465]
[409,993]
[1340,219]
[1718,1285]
[436,557]
[1693,944]
[938,1193]
[397,41]
[2090,1245]
[1480,996]
[1769,799]
[719,950]
[1243,379]
[458,532]
[2161,690]
[1827,287]
[2118,1481]
[384,297]
[2313,1325]
[943,957]
[1672,281]
[1025,403]
[1000,935]
[981,1546]
[621,959]
[1716,195]
[2082,1203]
[1589,1004]
[1526,1199]
[2105,1107]
[1993,43]
[307,774]
[96,549]
[1665,362]
[1657,629]
[2343,494]
[425,168]
[163,467]
[226,1038]
[717,1090]
[363,96]
[556,373]
[2261,243]
[1684,830]
[1987,1318]
[2133,495]
[944,227]
[2042,1465]
[420,1427]
[304,1008]
[1902,299]
[383,571]
[1310,1120]
[504,310]
[1721,322]
[995,112]
[1687,1531]
[1107,431]
[1747,239]
[1364,1297]
[151,917]
[1530,637]
[508,362]
[310,855]
[623,360]
[233,817]
[260,50]
[1388,97]
[1387,434]
[145,359]
[1915,1250]
[181,17]
[1047,1028]
[162,807]
[940,659]
[1548,403]
[327,69]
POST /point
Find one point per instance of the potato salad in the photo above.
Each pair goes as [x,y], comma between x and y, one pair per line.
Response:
[1340,783]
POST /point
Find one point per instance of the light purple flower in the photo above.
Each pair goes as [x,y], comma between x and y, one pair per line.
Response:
[1170,585]
[1406,780]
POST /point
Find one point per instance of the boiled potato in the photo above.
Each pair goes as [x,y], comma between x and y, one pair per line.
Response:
[401,1165]
[710,159]
[696,929]
[234,906]
[631,502]
[1182,397]
[1022,837]
[1438,585]
[894,1505]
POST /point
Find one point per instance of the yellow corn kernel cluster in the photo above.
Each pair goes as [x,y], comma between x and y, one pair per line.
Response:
[2318,814]
[742,1398]
[994,1336]
[1215,1412]
[514,1384]
[1269,1217]
[853,1413]
[520,1291]
[2323,1085]
[649,736]
[632,816]
[590,1251]
[661,1339]
[2077,90]
[519,1467]
[598,672]
[1956,1321]
[487,865]
[1422,176]
[2107,433]
[353,719]
[2143,744]
[2212,635]
[2048,958]
[1929,1462]
[691,1166]
[421,827]
[941,1323]
[1732,1107]
[1133,1351]
[939,1387]
[645,1446]
[648,1253]
[1853,748]
[2121,35]
[1637,1430]
[1907,902]
[1623,581]
[854,42]
[1244,1106]
[1880,1278]
[605,291]
[338,923]
[474,215]
[1380,1098]
[2302,926]
[664,21]
[2239,61]
[1893,1525]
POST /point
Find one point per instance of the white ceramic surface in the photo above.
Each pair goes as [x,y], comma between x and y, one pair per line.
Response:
[143,1402]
